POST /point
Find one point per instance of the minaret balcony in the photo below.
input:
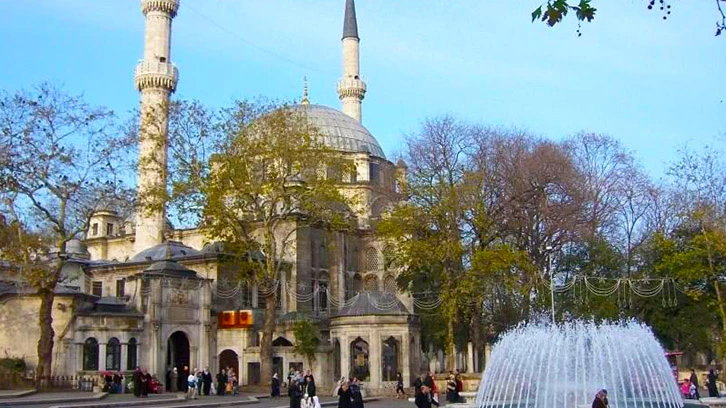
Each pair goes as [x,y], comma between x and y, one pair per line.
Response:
[165,6]
[156,74]
[351,87]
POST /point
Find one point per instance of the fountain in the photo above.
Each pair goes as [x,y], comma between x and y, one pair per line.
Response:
[563,366]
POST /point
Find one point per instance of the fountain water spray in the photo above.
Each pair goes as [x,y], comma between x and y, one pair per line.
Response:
[563,366]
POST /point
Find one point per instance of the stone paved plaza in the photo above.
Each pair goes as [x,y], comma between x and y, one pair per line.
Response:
[89,400]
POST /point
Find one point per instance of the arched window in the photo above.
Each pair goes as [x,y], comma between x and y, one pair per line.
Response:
[389,284]
[90,354]
[113,354]
[336,359]
[371,283]
[324,263]
[389,359]
[359,359]
[131,355]
[322,305]
[371,259]
[281,342]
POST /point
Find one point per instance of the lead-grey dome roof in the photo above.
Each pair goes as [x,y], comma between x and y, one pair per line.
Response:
[340,131]
[166,250]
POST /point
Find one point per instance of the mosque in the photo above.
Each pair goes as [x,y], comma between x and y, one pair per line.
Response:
[141,293]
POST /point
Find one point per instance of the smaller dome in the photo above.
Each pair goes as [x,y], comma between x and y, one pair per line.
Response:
[373,303]
[166,250]
[170,268]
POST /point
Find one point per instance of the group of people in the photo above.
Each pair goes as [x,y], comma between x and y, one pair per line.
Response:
[425,391]
[199,382]
[143,383]
[690,387]
[349,393]
[113,383]
[300,388]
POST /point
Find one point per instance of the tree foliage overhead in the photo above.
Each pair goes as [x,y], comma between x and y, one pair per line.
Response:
[554,11]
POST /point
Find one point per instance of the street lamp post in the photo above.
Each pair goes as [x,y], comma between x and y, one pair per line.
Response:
[552,281]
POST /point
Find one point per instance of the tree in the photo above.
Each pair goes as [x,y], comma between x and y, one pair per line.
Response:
[61,161]
[268,177]
[554,11]
[425,233]
[307,340]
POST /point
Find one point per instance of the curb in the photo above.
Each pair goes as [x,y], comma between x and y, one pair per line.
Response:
[40,401]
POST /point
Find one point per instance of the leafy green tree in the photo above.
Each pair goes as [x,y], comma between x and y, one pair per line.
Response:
[61,161]
[307,340]
[268,176]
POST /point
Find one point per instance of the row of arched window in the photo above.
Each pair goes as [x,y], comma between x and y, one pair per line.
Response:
[370,282]
[113,354]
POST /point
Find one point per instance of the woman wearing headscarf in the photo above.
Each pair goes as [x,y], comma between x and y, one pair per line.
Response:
[601,399]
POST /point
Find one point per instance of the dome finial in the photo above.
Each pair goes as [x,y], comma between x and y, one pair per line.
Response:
[305,100]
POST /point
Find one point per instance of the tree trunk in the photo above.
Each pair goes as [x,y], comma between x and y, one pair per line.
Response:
[266,343]
[450,357]
[45,342]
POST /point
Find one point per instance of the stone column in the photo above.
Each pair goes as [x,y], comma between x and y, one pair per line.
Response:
[374,359]
[193,357]
[470,358]
[405,359]
[124,355]
[102,356]
[345,368]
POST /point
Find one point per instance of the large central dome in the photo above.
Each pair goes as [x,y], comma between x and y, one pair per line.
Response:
[340,131]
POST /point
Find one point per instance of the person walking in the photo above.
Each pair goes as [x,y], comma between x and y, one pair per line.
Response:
[192,386]
[145,383]
[400,392]
[344,397]
[451,389]
[309,391]
[712,388]
[694,381]
[423,398]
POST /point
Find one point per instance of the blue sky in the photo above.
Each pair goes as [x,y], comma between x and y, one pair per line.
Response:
[656,85]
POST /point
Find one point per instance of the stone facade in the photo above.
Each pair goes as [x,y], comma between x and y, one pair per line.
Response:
[140,293]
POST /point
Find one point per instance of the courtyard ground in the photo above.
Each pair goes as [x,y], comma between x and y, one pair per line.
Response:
[89,400]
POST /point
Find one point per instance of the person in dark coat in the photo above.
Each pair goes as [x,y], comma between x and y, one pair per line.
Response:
[400,392]
[712,388]
[206,381]
[423,398]
[145,383]
[275,387]
[137,382]
[295,392]
[221,382]
[182,380]
[355,394]
[344,397]
[601,399]
[417,384]
[694,381]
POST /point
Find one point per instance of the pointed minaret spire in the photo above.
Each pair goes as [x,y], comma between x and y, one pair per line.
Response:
[350,24]
[351,89]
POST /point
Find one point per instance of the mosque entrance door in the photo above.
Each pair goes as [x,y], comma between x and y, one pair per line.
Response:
[229,359]
[177,355]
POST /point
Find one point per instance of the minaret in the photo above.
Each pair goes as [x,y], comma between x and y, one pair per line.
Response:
[156,78]
[351,89]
